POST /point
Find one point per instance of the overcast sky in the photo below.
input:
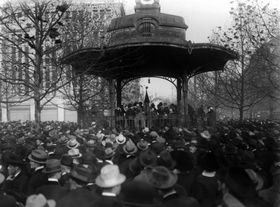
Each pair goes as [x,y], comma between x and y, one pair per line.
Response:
[202,16]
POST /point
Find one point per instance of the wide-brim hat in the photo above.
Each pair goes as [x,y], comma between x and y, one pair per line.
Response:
[110,176]
[72,144]
[120,139]
[160,177]
[142,144]
[74,153]
[52,166]
[90,143]
[160,139]
[154,134]
[63,140]
[82,173]
[53,133]
[205,134]
[158,147]
[39,201]
[147,158]
[38,156]
[130,148]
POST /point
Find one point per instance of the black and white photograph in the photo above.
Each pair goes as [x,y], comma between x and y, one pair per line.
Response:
[139,103]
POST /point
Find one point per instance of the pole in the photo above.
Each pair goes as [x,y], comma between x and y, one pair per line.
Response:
[119,92]
[112,102]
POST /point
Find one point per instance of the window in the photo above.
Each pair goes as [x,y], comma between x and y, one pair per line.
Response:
[146,26]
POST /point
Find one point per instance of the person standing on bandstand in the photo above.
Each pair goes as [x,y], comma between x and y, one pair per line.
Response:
[211,117]
[130,115]
[200,116]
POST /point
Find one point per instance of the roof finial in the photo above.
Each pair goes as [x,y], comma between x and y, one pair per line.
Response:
[147,5]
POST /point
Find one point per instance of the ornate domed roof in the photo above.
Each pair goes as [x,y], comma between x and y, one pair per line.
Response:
[149,43]
[147,25]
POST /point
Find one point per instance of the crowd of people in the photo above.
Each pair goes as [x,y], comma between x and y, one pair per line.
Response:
[233,164]
[138,115]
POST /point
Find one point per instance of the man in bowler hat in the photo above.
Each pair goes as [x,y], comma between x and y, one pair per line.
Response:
[164,181]
[16,182]
[37,160]
[80,193]
[52,189]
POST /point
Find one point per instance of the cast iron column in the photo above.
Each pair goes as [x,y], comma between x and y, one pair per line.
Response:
[185,100]
[112,102]
[179,101]
[119,92]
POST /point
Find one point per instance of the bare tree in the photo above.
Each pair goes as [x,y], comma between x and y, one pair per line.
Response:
[30,32]
[86,93]
[234,87]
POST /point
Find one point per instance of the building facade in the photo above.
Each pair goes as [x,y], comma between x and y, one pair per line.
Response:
[266,75]
[15,104]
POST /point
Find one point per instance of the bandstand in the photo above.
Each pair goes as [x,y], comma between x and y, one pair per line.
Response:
[149,43]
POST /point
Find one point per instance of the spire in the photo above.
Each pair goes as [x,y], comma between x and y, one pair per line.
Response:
[146,100]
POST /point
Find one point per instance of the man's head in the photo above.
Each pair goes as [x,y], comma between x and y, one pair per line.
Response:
[12,169]
[110,179]
[66,164]
[14,164]
[38,157]
[53,168]
[161,177]
[80,176]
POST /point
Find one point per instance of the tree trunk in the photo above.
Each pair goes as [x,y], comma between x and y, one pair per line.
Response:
[1,99]
[38,111]
[38,77]
[241,113]
[242,92]
[251,112]
[216,95]
[271,110]
[195,98]
[8,112]
[81,117]
[81,107]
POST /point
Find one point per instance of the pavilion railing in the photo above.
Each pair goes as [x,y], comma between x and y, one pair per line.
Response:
[139,122]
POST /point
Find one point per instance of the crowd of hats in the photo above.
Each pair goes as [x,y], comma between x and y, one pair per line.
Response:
[242,143]
[251,145]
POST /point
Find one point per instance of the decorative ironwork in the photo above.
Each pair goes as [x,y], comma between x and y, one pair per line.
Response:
[171,80]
